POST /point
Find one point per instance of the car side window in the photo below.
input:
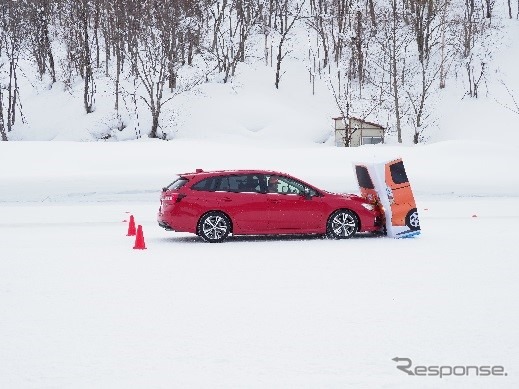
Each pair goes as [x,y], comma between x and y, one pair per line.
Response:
[222,184]
[285,185]
[239,183]
[251,183]
[398,174]
[295,187]
[206,185]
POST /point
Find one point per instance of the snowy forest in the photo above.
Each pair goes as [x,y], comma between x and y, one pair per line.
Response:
[389,58]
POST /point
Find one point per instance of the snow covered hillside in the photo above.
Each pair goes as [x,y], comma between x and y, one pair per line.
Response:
[247,106]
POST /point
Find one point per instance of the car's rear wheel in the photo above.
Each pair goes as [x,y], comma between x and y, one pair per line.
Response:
[342,224]
[214,227]
[411,220]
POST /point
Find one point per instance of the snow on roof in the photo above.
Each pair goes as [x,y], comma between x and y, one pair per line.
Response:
[361,120]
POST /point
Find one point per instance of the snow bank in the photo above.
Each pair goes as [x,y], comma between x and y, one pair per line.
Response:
[136,170]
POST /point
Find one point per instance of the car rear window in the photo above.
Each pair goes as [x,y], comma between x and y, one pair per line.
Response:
[363,177]
[177,184]
[398,174]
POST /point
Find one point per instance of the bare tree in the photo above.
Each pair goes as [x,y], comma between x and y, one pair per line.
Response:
[340,11]
[154,56]
[13,19]
[443,45]
[427,73]
[468,27]
[287,19]
[152,67]
[422,14]
[39,13]
[357,50]
[393,32]
[372,14]
[318,21]
[88,78]
[512,108]
[3,132]
[343,104]
[489,7]
[233,23]
[76,33]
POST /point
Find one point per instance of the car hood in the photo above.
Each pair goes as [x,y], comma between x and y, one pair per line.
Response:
[348,196]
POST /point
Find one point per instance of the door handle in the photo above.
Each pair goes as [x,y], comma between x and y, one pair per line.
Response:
[227,199]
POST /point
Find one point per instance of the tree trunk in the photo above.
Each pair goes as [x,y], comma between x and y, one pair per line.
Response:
[360,55]
[488,9]
[107,52]
[117,77]
[2,126]
[51,57]
[442,60]
[154,124]
[11,97]
[278,63]
[372,15]
[87,65]
[394,74]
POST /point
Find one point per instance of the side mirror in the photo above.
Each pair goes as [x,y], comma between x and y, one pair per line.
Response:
[164,189]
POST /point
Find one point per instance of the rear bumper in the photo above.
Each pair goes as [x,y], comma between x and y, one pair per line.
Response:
[174,219]
[165,225]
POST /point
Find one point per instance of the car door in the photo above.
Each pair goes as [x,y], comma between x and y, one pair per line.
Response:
[240,196]
[291,211]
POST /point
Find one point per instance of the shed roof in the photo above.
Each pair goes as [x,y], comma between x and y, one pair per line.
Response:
[362,121]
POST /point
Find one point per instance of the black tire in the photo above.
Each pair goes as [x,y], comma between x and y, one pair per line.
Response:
[412,221]
[214,227]
[342,224]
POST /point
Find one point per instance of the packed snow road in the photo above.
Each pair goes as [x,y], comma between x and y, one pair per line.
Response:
[81,308]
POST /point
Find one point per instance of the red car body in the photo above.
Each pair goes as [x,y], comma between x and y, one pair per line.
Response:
[243,196]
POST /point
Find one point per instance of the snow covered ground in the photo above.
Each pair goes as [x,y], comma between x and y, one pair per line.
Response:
[80,308]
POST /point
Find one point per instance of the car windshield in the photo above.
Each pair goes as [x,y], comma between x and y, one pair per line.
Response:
[363,177]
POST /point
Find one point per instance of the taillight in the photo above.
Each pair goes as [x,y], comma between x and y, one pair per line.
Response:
[173,198]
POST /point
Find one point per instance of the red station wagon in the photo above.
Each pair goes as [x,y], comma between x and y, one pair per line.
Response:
[257,202]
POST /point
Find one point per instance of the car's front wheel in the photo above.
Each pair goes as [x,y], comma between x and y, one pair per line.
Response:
[214,227]
[411,220]
[342,224]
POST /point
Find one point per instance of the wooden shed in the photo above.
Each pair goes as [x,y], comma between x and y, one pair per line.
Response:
[361,132]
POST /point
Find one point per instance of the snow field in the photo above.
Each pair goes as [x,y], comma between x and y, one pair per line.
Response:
[86,310]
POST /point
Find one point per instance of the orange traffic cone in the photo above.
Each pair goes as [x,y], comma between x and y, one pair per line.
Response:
[139,239]
[131,227]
